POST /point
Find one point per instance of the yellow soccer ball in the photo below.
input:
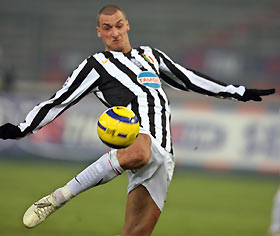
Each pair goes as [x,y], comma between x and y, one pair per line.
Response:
[118,127]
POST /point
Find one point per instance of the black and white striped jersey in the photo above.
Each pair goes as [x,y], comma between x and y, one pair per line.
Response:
[133,80]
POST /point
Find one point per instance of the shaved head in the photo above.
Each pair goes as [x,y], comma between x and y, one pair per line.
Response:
[109,10]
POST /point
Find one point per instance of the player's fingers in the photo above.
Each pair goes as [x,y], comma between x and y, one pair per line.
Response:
[257,99]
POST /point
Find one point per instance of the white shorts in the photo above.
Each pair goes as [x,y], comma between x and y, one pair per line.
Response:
[156,175]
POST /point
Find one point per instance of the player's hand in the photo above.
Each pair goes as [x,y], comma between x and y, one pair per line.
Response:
[10,131]
[256,94]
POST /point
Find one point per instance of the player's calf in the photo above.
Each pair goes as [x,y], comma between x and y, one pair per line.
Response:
[101,171]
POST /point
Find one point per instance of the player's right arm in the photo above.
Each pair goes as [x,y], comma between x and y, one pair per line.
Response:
[81,82]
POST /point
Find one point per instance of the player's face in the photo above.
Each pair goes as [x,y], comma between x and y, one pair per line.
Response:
[113,31]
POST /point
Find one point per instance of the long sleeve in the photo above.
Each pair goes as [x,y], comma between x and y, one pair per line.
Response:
[81,82]
[187,79]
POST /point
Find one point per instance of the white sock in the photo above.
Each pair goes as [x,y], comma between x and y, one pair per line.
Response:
[275,224]
[101,171]
[62,195]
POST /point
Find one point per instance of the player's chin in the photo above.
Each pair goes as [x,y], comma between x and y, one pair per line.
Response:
[117,47]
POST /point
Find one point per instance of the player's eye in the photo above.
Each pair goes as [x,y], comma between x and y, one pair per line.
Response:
[106,28]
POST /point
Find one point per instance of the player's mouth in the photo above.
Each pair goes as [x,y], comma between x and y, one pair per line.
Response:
[116,40]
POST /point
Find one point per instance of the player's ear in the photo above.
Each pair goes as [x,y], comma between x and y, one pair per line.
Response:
[128,26]
[98,32]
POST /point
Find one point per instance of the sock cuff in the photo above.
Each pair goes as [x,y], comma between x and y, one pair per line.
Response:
[62,195]
[113,158]
[67,192]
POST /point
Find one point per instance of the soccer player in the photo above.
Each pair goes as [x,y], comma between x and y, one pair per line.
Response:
[130,77]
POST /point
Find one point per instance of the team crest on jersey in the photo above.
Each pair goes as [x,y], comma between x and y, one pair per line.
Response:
[149,79]
[148,58]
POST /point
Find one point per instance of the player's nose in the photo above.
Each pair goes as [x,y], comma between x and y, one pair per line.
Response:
[115,32]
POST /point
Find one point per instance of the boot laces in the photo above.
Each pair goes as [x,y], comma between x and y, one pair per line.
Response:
[44,208]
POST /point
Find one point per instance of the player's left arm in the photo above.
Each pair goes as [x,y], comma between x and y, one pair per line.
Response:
[187,79]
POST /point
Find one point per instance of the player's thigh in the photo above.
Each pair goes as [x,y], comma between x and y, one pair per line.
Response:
[141,213]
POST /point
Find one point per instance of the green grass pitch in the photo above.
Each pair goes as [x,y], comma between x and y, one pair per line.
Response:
[198,203]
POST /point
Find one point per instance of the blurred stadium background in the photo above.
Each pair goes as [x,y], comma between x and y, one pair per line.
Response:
[235,41]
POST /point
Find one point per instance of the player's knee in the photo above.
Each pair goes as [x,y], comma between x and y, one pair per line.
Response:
[141,157]
[134,159]
[137,155]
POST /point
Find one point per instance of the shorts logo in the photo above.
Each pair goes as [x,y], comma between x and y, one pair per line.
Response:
[149,79]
